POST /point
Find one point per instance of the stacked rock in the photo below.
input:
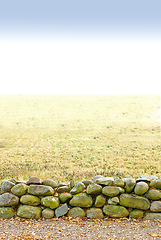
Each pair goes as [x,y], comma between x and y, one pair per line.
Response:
[97,198]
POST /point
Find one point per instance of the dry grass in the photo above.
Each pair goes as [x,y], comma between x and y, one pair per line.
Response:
[65,137]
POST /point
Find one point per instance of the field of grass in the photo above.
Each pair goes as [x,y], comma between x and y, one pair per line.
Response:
[65,137]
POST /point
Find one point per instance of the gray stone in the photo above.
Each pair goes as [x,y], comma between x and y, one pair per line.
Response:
[30,200]
[106,181]
[6,186]
[78,188]
[129,184]
[94,213]
[115,211]
[72,183]
[76,212]
[40,190]
[61,211]
[111,191]
[26,211]
[8,199]
[100,201]
[156,183]
[94,189]
[153,194]
[155,206]
[136,213]
[87,182]
[49,182]
[19,189]
[6,212]
[81,200]
[51,202]
[130,201]
[64,197]
[63,184]
[151,216]
[47,213]
[34,180]
[13,180]
[97,177]
[141,188]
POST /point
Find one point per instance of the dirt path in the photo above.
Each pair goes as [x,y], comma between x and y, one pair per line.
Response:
[72,229]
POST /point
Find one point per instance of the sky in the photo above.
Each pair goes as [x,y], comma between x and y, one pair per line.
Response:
[80,47]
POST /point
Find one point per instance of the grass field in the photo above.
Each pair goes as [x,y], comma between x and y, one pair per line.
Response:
[65,137]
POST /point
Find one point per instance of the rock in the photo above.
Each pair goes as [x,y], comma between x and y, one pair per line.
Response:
[72,183]
[63,184]
[94,189]
[40,190]
[8,199]
[156,183]
[111,191]
[130,201]
[100,201]
[78,188]
[51,202]
[87,182]
[97,177]
[24,182]
[149,177]
[94,213]
[13,180]
[113,201]
[26,211]
[64,197]
[115,211]
[119,182]
[76,212]
[81,200]
[141,188]
[155,206]
[136,213]
[30,200]
[153,194]
[107,181]
[61,211]
[63,189]
[129,184]
[34,180]
[151,216]
[143,180]
[19,189]
[6,186]
[6,212]
[49,182]
[47,213]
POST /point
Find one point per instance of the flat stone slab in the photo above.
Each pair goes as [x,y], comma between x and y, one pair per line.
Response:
[61,211]
[130,201]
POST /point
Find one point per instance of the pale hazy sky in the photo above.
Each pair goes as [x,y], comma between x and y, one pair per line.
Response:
[80,47]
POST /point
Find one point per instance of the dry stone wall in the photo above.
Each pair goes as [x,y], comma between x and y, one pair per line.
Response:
[97,198]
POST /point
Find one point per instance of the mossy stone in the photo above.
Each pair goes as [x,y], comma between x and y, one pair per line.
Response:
[94,213]
[136,213]
[111,191]
[94,189]
[40,190]
[115,211]
[51,202]
[130,201]
[113,201]
[19,189]
[119,182]
[49,182]
[129,184]
[100,201]
[6,186]
[156,183]
[76,212]
[6,212]
[30,200]
[155,206]
[81,200]
[152,216]
[141,188]
[78,188]
[153,194]
[106,181]
[64,197]
[8,200]
[48,213]
[26,211]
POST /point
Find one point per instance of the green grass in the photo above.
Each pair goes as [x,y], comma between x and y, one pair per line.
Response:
[65,137]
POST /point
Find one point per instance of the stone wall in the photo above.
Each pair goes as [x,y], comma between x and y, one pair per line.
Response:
[97,198]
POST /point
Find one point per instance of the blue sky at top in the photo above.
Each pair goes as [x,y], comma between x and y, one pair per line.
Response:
[80,47]
[101,18]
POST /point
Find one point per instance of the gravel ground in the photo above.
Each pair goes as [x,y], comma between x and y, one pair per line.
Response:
[80,229]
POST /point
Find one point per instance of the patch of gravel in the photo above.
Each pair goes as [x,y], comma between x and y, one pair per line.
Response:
[67,228]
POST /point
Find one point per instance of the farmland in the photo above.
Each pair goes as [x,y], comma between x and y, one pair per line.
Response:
[68,136]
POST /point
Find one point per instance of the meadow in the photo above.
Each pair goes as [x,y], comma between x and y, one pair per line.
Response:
[66,137]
